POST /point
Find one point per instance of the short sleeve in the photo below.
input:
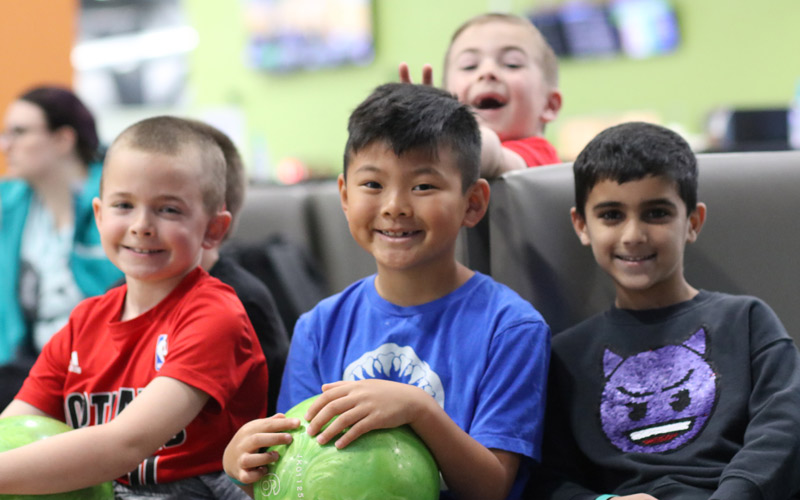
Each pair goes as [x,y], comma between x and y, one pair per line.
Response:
[510,412]
[301,377]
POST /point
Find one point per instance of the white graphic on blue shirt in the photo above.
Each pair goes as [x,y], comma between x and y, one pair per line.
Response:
[399,364]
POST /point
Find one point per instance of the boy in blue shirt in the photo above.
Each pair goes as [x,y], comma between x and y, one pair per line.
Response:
[426,341]
[675,392]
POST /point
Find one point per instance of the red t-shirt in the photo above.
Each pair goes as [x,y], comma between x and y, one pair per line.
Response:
[536,151]
[199,334]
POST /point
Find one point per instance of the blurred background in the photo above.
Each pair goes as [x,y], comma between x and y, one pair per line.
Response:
[282,76]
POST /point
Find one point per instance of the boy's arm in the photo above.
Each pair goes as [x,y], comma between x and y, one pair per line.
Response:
[469,469]
[495,159]
[766,466]
[17,407]
[92,455]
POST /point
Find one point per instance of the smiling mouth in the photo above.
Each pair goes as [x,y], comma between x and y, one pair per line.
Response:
[661,433]
[398,234]
[142,251]
[642,258]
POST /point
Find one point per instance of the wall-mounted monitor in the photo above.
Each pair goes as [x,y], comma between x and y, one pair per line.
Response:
[288,35]
[630,28]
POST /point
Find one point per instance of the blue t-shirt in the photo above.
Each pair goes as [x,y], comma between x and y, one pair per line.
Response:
[481,352]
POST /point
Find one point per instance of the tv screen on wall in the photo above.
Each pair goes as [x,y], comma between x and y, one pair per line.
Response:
[632,28]
[290,35]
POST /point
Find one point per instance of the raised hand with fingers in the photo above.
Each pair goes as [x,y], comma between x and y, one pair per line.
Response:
[362,406]
[405,73]
[245,456]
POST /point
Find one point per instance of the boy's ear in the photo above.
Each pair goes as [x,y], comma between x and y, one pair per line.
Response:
[477,202]
[552,106]
[696,220]
[217,228]
[342,193]
[579,225]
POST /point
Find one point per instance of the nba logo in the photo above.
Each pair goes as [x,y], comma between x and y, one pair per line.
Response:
[161,350]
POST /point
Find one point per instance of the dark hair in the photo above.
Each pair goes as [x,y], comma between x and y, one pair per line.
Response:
[417,118]
[62,108]
[170,135]
[632,151]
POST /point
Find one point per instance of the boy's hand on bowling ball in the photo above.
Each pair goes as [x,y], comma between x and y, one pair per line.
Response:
[245,456]
[363,406]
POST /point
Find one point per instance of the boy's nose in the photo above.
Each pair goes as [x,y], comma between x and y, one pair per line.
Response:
[633,232]
[487,70]
[142,225]
[396,205]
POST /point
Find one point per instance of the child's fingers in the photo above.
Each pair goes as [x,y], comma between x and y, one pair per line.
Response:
[405,74]
[345,419]
[354,432]
[252,461]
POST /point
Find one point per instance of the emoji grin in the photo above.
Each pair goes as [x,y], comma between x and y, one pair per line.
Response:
[661,433]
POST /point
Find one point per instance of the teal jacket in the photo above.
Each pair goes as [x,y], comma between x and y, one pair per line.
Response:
[92,270]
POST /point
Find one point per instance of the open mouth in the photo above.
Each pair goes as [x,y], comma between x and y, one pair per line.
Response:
[661,433]
[489,101]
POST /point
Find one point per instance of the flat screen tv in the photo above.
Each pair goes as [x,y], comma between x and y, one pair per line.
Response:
[290,35]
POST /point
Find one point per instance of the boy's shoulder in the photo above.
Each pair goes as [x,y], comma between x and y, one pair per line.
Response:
[479,293]
[710,306]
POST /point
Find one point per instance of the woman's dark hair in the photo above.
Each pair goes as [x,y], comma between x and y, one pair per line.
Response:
[62,108]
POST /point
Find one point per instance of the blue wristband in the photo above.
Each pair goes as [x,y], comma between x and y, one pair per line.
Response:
[236,481]
[605,497]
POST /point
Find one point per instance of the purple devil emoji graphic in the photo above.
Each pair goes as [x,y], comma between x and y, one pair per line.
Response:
[659,400]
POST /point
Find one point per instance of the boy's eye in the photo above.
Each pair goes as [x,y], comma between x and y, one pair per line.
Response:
[123,205]
[467,67]
[656,214]
[371,185]
[610,215]
[424,187]
[170,210]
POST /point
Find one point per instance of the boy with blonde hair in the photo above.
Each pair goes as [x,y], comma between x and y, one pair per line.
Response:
[172,347]
[477,351]
[501,66]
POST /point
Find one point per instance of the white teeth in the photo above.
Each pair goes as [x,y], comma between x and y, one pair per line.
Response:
[634,259]
[396,234]
[141,250]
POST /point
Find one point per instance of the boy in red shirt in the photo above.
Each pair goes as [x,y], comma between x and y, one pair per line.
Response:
[172,347]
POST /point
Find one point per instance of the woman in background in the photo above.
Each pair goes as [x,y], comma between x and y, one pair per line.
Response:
[50,253]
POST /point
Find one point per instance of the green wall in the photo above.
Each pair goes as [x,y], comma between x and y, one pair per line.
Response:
[740,53]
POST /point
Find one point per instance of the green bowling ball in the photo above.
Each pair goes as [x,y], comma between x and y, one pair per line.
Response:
[384,464]
[24,429]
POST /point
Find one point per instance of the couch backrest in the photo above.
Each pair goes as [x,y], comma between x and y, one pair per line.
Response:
[749,244]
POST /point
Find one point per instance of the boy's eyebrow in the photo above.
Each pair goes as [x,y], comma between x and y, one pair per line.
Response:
[506,48]
[617,204]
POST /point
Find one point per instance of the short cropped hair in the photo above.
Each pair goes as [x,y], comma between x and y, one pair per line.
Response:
[417,118]
[172,136]
[542,51]
[62,108]
[235,181]
[632,151]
